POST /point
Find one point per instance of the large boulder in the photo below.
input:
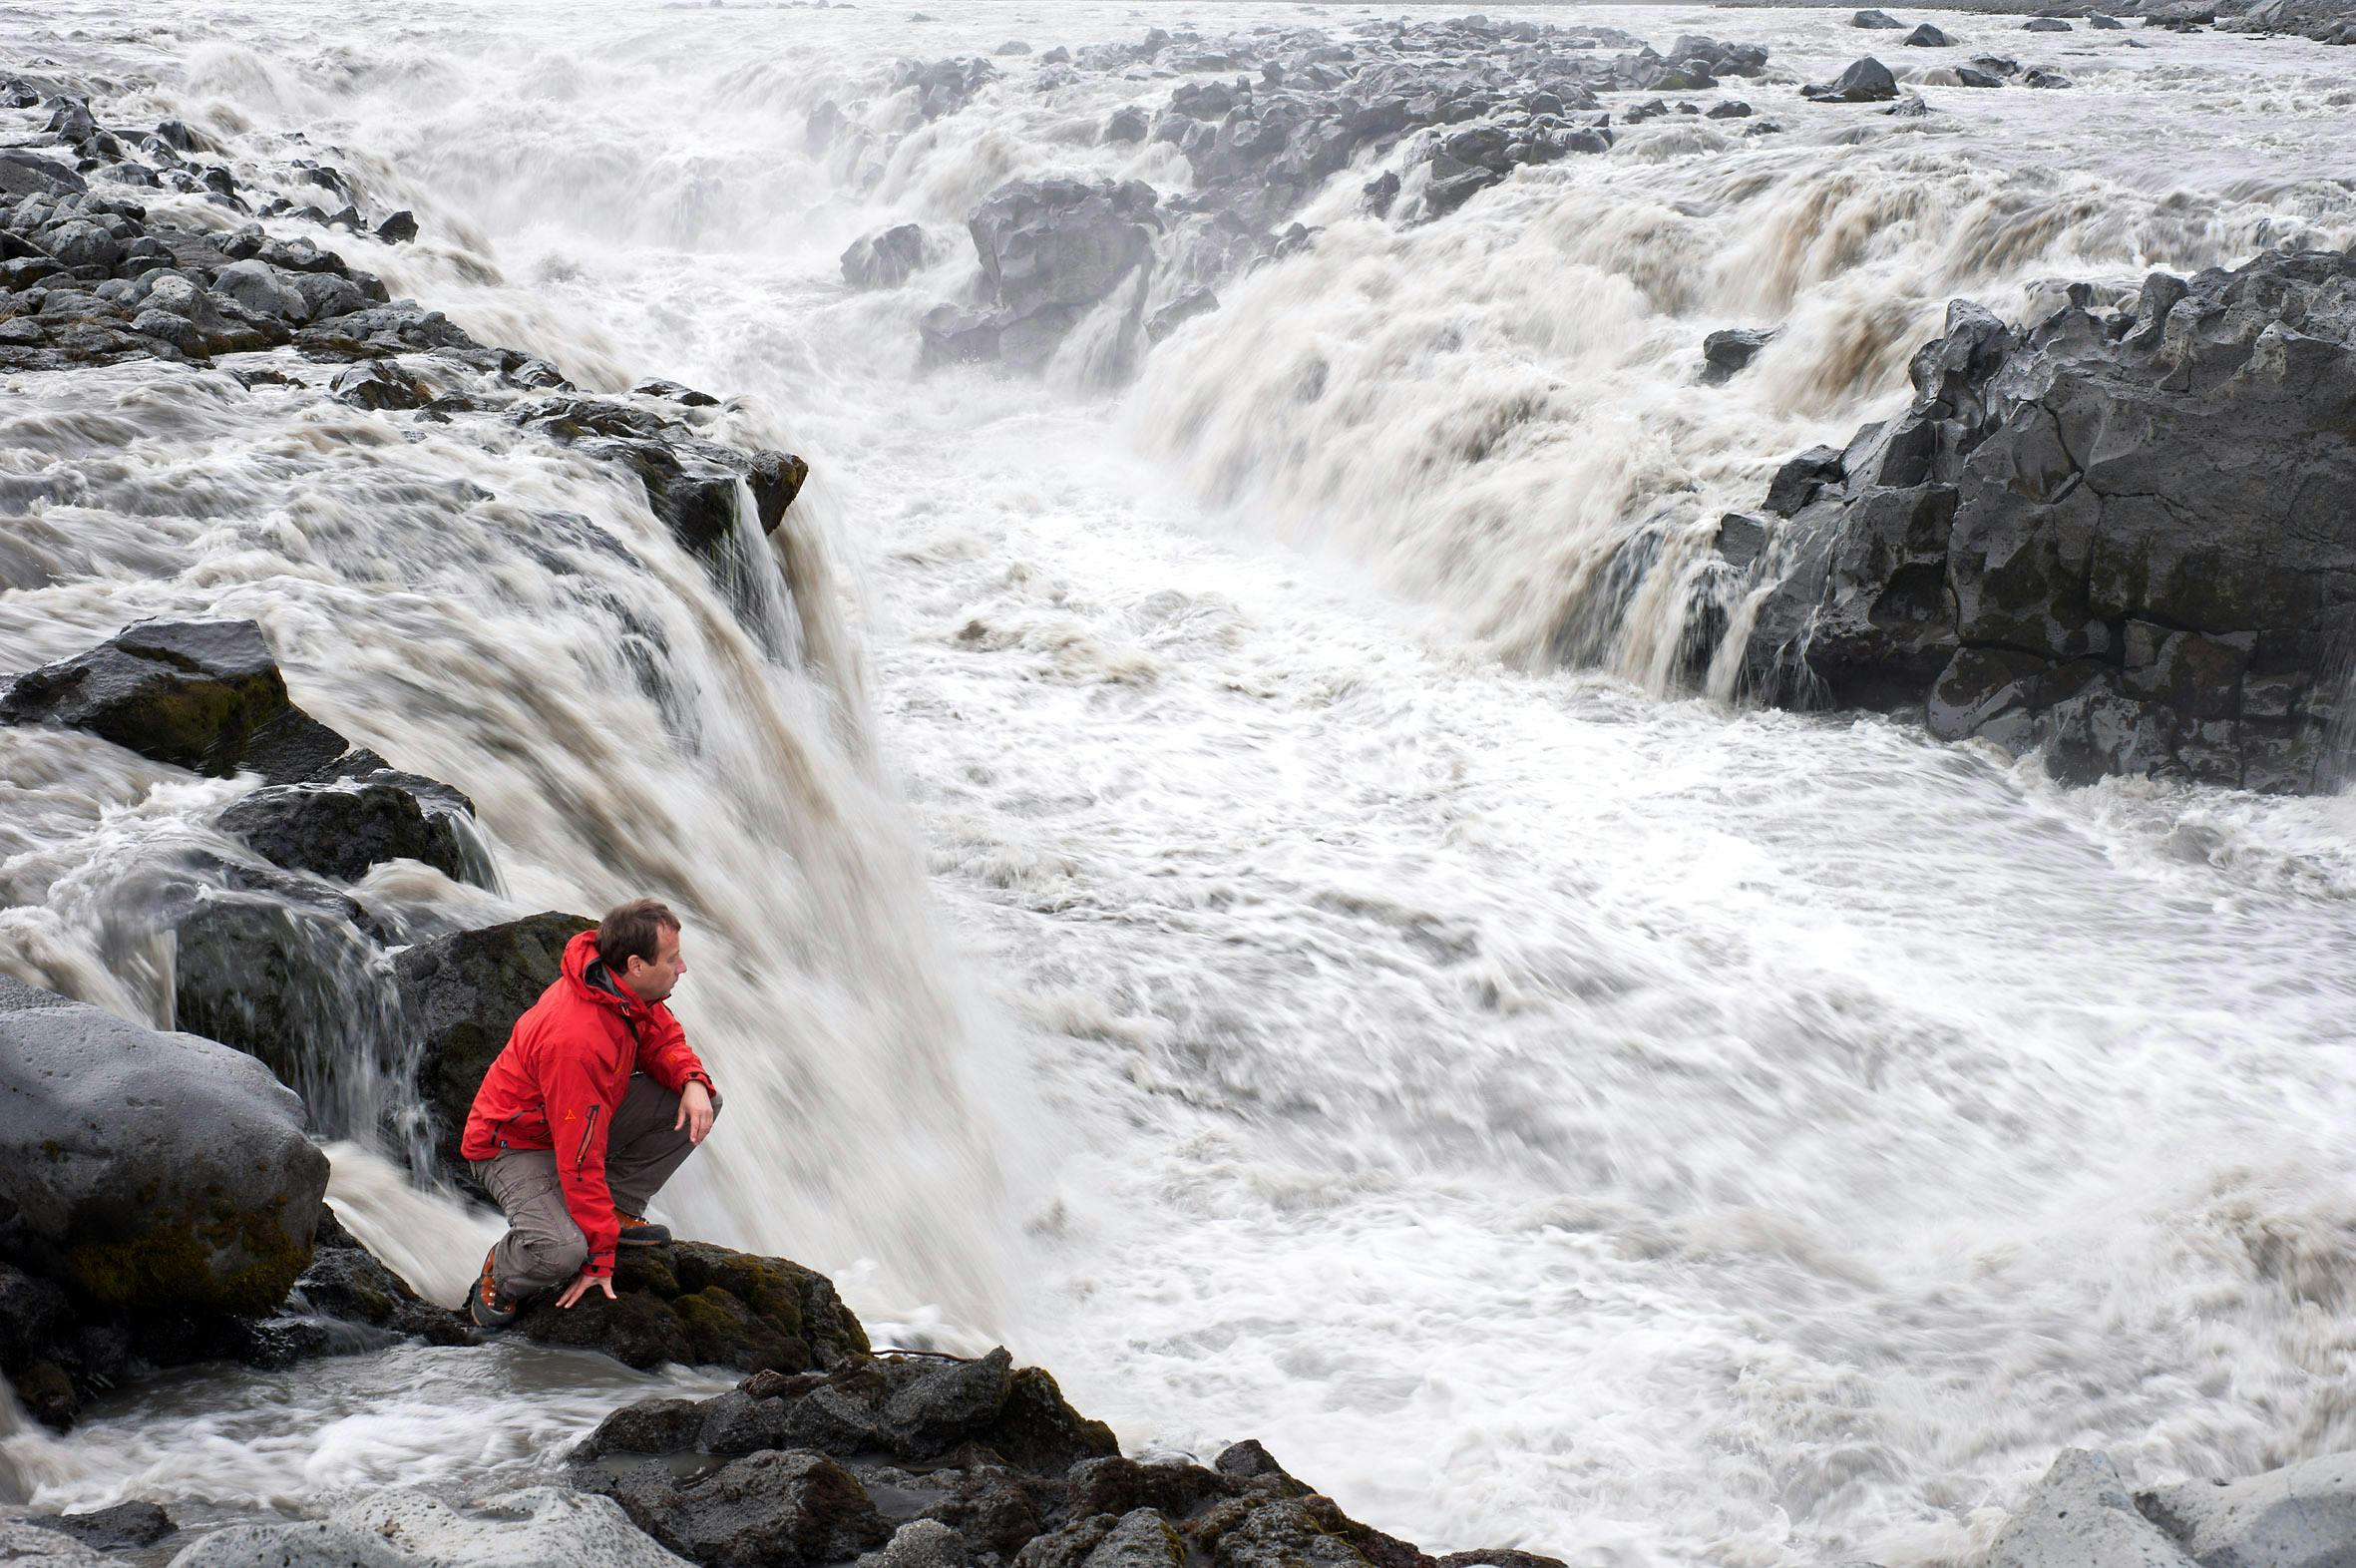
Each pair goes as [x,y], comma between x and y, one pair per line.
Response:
[1725,354]
[202,695]
[141,1175]
[698,1304]
[766,1510]
[1050,250]
[1867,81]
[2128,538]
[885,259]
[2081,1516]
[460,994]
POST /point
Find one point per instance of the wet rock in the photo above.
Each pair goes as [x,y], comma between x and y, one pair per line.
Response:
[349,1283]
[692,485]
[2040,76]
[285,969]
[146,1173]
[2124,539]
[1730,109]
[378,384]
[704,1305]
[24,174]
[1867,81]
[2081,1513]
[2045,24]
[1909,106]
[942,87]
[1050,250]
[461,996]
[1196,301]
[2103,24]
[765,1510]
[686,397]
[1973,76]
[256,286]
[2300,1516]
[1928,37]
[649,1426]
[128,1525]
[204,695]
[398,229]
[885,259]
[1127,123]
[1876,19]
[1725,353]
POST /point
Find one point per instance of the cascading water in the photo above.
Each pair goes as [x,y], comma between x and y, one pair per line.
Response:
[1542,1106]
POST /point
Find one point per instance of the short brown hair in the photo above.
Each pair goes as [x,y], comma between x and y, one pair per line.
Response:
[634,930]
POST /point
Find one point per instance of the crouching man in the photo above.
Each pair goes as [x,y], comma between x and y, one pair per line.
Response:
[595,1101]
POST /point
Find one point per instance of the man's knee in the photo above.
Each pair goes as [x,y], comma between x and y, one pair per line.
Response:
[562,1255]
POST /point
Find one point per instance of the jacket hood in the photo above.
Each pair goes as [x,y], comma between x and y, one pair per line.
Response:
[580,954]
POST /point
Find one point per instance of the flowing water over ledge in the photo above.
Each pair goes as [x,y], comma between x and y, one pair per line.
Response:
[1541,1106]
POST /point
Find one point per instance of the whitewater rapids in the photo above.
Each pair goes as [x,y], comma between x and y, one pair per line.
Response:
[1226,898]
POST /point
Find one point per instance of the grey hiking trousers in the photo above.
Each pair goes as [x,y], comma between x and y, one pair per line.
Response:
[543,1246]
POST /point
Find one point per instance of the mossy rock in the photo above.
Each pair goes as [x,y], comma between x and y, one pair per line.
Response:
[699,1305]
[204,1248]
[200,695]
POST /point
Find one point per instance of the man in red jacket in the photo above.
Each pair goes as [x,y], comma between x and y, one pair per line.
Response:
[596,1101]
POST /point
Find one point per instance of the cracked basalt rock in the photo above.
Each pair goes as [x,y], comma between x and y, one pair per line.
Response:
[2124,537]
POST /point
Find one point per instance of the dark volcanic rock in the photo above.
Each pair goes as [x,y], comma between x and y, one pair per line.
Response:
[690,484]
[126,1526]
[339,830]
[885,259]
[2045,24]
[1876,19]
[461,996]
[1869,81]
[1050,250]
[1928,37]
[143,1176]
[705,1306]
[986,1461]
[1725,353]
[201,694]
[2128,539]
[766,1510]
[347,1282]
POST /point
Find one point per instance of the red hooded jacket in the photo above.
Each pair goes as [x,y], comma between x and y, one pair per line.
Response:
[561,1078]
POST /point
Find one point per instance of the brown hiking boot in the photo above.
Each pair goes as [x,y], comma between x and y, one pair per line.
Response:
[486,1305]
[639,1230]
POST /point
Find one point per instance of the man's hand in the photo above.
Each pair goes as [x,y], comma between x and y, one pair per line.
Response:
[580,1287]
[695,1111]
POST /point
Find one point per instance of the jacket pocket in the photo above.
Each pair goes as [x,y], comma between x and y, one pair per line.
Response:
[588,1131]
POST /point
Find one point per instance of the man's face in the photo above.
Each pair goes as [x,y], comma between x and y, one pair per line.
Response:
[653,982]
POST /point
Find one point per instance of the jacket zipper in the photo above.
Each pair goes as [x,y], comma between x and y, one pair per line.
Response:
[588,1132]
